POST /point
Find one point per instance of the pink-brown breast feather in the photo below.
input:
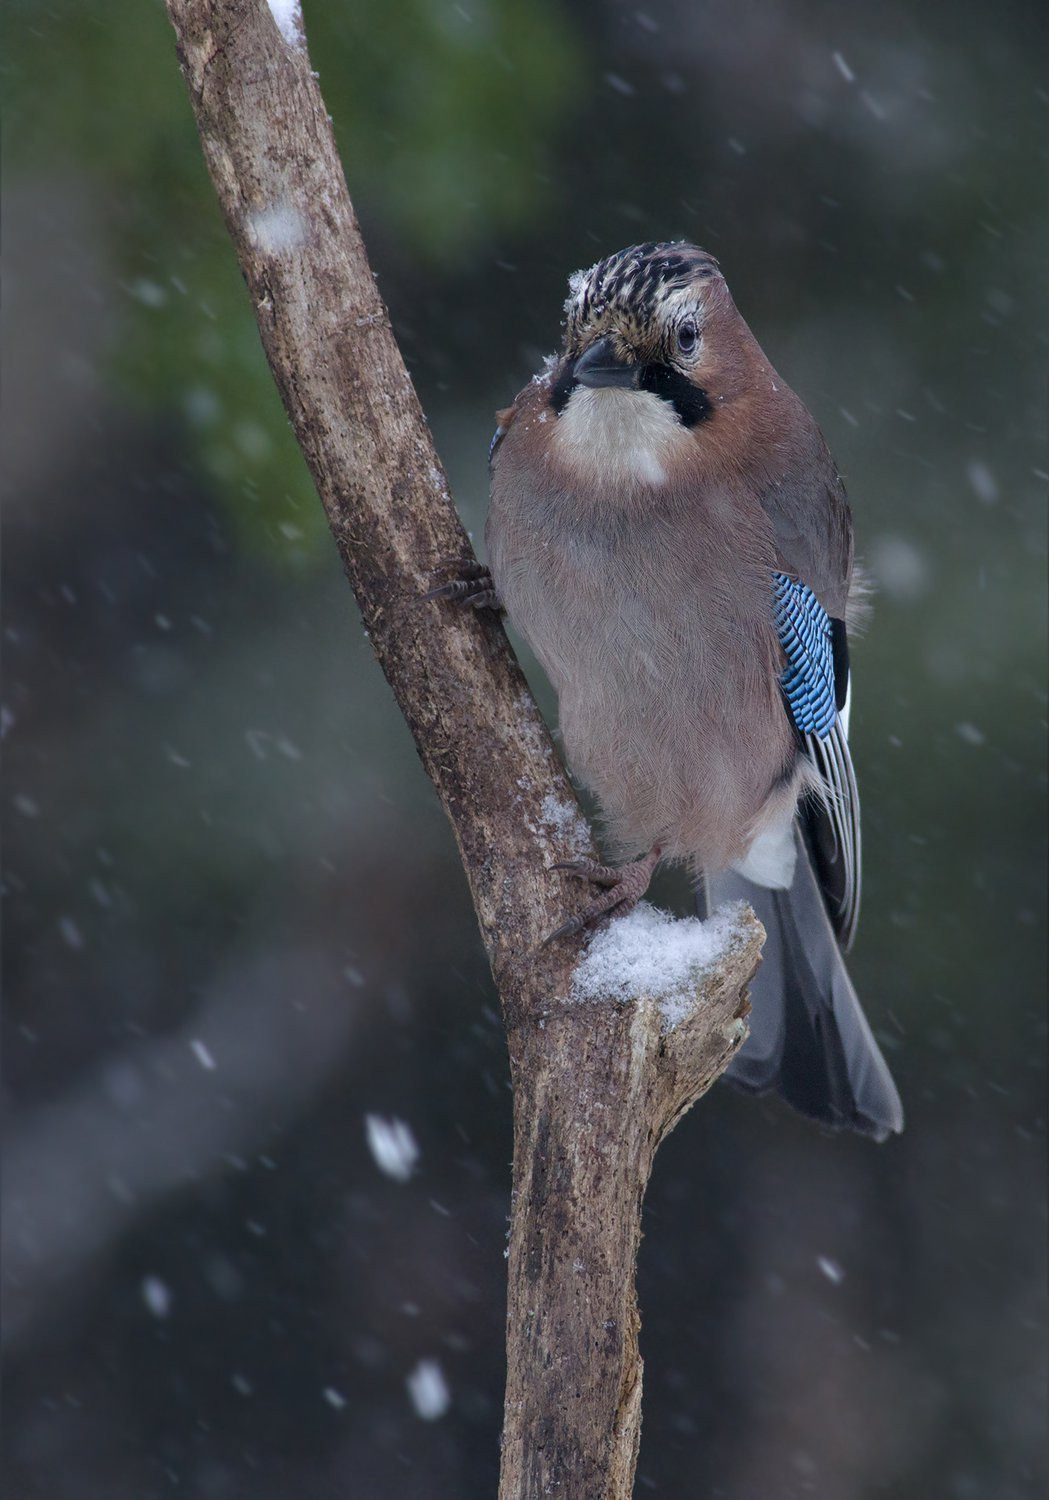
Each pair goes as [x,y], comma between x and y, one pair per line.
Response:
[649,610]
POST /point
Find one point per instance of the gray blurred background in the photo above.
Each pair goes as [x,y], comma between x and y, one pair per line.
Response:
[236,926]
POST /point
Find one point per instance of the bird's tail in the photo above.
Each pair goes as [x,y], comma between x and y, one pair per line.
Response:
[809,1040]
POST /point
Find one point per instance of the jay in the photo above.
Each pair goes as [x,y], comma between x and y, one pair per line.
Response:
[669,533]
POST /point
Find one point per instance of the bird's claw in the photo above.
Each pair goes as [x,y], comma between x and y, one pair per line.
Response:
[566,929]
[472,584]
[586,869]
[623,889]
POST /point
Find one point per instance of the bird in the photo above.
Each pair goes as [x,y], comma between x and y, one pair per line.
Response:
[669,533]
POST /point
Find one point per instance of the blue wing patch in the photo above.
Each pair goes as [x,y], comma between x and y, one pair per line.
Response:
[804,630]
[499,433]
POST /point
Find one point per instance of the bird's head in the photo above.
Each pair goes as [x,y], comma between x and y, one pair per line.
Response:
[636,322]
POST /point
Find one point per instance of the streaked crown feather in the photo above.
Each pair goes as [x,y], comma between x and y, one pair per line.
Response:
[633,284]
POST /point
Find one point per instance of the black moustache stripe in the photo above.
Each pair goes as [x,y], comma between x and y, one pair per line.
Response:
[691,402]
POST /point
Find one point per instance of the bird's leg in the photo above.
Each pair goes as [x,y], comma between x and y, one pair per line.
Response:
[470,584]
[623,889]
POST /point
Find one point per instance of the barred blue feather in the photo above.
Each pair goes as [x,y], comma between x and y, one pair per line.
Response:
[804,630]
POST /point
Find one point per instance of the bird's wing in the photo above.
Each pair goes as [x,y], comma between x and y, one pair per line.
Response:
[830,821]
[504,420]
[811,521]
[815,687]
[806,635]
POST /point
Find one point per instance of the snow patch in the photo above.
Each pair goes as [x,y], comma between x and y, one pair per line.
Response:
[566,821]
[530,727]
[651,953]
[288,17]
[277,229]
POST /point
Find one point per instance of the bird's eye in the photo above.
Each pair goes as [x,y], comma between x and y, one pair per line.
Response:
[687,336]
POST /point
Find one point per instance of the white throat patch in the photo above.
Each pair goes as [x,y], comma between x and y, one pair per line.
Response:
[615,437]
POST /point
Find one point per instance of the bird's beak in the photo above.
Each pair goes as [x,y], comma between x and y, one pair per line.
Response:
[600,367]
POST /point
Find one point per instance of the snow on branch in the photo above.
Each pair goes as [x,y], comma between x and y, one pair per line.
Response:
[650,955]
[288,17]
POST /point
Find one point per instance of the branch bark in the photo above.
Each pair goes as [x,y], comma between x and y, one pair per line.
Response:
[596,1085]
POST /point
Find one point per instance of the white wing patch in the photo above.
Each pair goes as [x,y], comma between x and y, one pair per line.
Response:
[840,796]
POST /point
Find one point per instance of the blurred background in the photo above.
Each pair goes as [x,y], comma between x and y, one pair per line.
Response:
[255,1098]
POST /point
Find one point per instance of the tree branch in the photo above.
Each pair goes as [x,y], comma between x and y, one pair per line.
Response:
[597,1084]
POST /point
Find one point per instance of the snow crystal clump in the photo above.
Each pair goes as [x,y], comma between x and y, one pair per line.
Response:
[202,1053]
[156,1294]
[831,1269]
[983,482]
[576,283]
[651,953]
[392,1146]
[428,1390]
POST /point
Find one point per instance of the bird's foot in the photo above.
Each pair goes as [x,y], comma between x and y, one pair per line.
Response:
[623,889]
[470,584]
